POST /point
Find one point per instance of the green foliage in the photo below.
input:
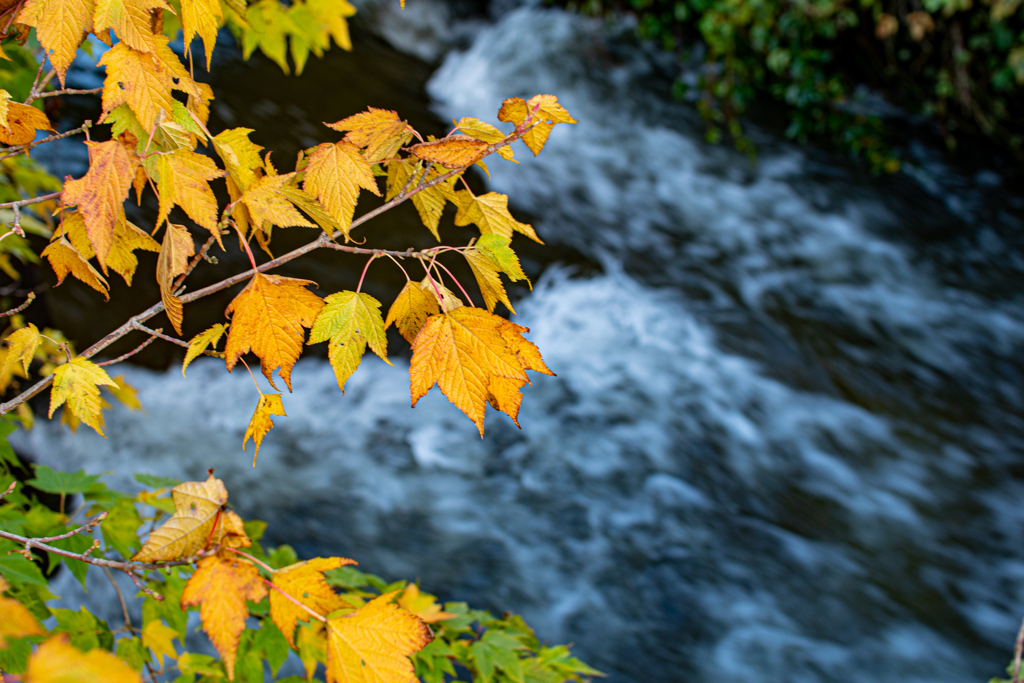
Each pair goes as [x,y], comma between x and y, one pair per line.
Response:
[957,61]
[468,644]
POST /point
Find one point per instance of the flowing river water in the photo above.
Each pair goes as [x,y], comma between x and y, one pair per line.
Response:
[784,441]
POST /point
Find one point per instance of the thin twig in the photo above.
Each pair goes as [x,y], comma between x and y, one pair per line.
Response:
[158,333]
[34,200]
[18,149]
[252,559]
[22,307]
[126,356]
[69,91]
[203,251]
[124,607]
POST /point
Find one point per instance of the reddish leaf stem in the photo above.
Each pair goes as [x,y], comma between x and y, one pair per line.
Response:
[315,615]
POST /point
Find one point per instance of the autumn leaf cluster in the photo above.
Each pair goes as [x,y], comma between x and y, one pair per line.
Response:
[336,621]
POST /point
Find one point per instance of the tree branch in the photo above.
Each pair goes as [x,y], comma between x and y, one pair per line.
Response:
[18,149]
[324,240]
[69,91]
[22,307]
[33,200]
[1018,649]
[126,356]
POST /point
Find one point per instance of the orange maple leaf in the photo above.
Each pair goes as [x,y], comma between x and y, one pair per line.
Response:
[22,123]
[461,351]
[175,252]
[65,259]
[373,644]
[304,582]
[267,319]
[378,131]
[220,586]
[454,151]
[100,194]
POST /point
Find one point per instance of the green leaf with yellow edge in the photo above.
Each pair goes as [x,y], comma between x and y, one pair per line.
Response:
[488,278]
[77,383]
[413,305]
[21,348]
[490,213]
[350,321]
[373,644]
[270,25]
[498,249]
[202,341]
[262,421]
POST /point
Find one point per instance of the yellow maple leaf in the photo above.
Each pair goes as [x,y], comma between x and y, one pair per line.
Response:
[198,519]
[241,156]
[430,202]
[301,199]
[200,104]
[17,620]
[490,213]
[5,101]
[65,259]
[22,345]
[311,643]
[202,17]
[503,395]
[373,644]
[454,151]
[544,112]
[262,421]
[525,350]
[487,277]
[100,194]
[305,582]
[482,130]
[411,308]
[131,20]
[183,178]
[21,123]
[175,252]
[220,586]
[58,661]
[334,175]
[267,319]
[60,27]
[460,351]
[266,202]
[78,382]
[351,321]
[332,15]
[422,605]
[125,393]
[157,637]
[127,238]
[378,132]
[139,80]
[199,343]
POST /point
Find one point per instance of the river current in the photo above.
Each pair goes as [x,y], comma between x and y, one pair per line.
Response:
[784,439]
